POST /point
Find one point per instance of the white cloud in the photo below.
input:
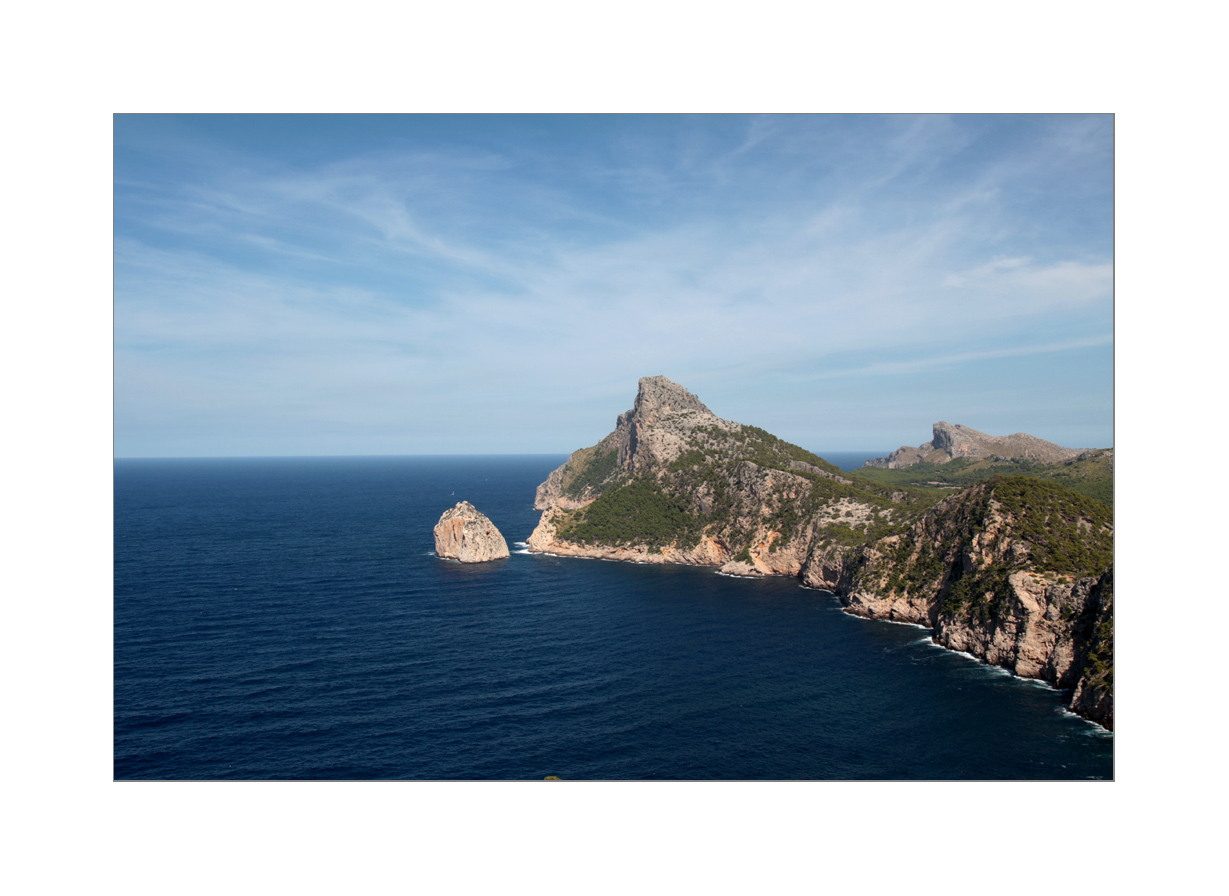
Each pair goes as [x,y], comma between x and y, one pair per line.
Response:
[1064,282]
[333,290]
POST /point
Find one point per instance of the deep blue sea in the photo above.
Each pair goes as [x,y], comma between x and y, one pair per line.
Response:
[285,618]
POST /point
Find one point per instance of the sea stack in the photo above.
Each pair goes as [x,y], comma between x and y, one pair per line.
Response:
[465,535]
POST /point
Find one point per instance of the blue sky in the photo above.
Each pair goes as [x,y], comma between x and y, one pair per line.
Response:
[290,285]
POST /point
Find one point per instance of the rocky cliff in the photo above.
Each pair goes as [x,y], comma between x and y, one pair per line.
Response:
[1016,571]
[466,535]
[949,442]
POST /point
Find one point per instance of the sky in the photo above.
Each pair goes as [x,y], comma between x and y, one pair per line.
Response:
[468,284]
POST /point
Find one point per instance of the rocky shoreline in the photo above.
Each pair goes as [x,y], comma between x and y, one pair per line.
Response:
[1032,640]
[991,571]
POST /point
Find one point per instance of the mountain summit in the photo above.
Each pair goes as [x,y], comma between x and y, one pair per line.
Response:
[660,423]
[949,442]
[658,395]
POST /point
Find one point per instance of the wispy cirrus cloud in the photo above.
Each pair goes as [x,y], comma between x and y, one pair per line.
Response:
[704,249]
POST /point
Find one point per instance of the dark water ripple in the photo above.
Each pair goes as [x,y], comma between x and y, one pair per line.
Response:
[286,619]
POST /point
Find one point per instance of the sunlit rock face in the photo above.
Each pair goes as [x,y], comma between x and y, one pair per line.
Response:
[465,535]
[950,442]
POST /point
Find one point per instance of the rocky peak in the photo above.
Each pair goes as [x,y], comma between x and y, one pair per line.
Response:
[659,396]
[950,441]
[957,440]
[657,427]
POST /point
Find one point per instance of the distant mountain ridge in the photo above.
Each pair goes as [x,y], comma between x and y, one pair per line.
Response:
[949,442]
[1015,570]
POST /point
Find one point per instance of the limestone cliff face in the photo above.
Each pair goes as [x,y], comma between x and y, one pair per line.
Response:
[654,432]
[658,427]
[1093,697]
[465,535]
[830,566]
[995,572]
[1044,630]
[949,442]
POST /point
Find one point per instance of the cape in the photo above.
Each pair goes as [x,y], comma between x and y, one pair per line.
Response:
[1016,570]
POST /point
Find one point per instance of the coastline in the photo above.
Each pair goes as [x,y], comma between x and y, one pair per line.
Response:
[640,554]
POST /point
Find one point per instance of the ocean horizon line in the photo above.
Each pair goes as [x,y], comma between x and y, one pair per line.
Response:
[408,454]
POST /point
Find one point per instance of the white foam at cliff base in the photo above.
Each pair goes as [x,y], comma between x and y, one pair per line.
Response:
[988,666]
[1039,682]
[846,611]
[898,622]
[1096,728]
[567,556]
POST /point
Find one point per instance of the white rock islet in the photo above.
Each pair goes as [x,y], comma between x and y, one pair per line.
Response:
[468,536]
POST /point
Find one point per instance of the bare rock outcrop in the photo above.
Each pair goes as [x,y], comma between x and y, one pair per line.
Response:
[949,442]
[658,427]
[465,535]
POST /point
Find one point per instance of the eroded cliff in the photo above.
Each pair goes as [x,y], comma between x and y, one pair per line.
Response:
[1017,572]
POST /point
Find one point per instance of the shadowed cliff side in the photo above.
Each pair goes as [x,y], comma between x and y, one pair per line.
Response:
[1017,572]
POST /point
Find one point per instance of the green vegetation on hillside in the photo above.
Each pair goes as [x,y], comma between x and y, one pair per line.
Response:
[767,450]
[709,487]
[1048,528]
[749,443]
[699,471]
[1092,476]
[981,592]
[590,470]
[1068,533]
[639,512]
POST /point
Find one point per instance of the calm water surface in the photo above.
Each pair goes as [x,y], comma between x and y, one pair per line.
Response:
[286,619]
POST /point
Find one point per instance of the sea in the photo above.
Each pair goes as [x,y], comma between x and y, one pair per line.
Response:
[287,619]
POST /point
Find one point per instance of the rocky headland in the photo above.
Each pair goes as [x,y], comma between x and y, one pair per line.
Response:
[674,483]
[1015,570]
[465,535]
[949,442]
